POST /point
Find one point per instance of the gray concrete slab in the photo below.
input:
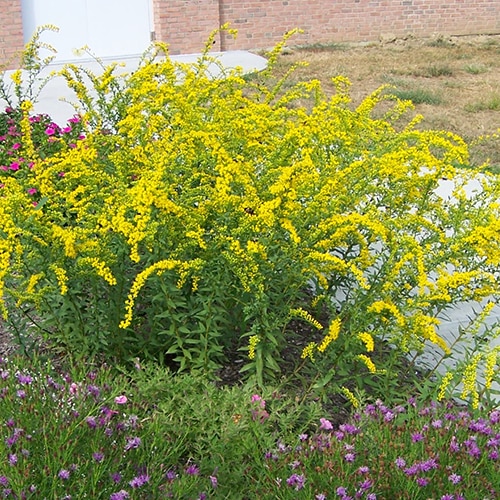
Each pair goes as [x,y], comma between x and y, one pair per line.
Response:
[55,96]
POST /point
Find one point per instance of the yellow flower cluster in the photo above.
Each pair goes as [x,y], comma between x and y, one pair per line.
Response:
[101,268]
[301,313]
[34,279]
[140,280]
[367,362]
[252,344]
[350,397]
[331,335]
[469,379]
[380,306]
[489,366]
[445,382]
[367,340]
[257,193]
[308,351]
[62,279]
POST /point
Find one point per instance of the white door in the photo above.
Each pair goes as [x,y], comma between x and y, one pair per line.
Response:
[110,28]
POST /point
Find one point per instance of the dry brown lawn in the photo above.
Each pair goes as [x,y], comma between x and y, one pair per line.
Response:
[454,82]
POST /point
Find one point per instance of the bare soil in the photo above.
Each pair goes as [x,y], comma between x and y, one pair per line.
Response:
[454,82]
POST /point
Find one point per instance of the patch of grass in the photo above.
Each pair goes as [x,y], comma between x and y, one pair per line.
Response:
[491,103]
[440,41]
[323,47]
[475,69]
[418,96]
[437,70]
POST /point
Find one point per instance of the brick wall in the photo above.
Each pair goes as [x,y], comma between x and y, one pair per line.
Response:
[186,24]
[261,23]
[11,31]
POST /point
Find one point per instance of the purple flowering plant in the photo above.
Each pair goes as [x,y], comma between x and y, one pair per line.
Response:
[401,457]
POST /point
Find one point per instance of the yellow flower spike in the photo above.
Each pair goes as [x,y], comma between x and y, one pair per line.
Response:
[489,367]
[252,344]
[331,335]
[380,306]
[367,339]
[469,380]
[101,268]
[62,279]
[301,313]
[308,351]
[140,280]
[445,382]
[368,363]
[34,279]
[350,397]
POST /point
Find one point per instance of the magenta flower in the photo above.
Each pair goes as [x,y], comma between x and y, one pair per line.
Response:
[119,495]
[495,417]
[134,442]
[422,481]
[116,477]
[32,191]
[24,379]
[454,444]
[454,478]
[16,146]
[139,481]
[63,474]
[416,437]
[14,166]
[192,470]
[437,424]
[50,130]
[256,398]
[297,481]
[170,476]
[325,425]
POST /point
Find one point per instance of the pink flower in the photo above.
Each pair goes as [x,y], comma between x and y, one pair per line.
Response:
[50,130]
[32,191]
[121,400]
[326,425]
[14,165]
[66,130]
[16,146]
[61,174]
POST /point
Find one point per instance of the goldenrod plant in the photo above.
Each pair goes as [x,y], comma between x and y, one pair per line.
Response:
[197,216]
